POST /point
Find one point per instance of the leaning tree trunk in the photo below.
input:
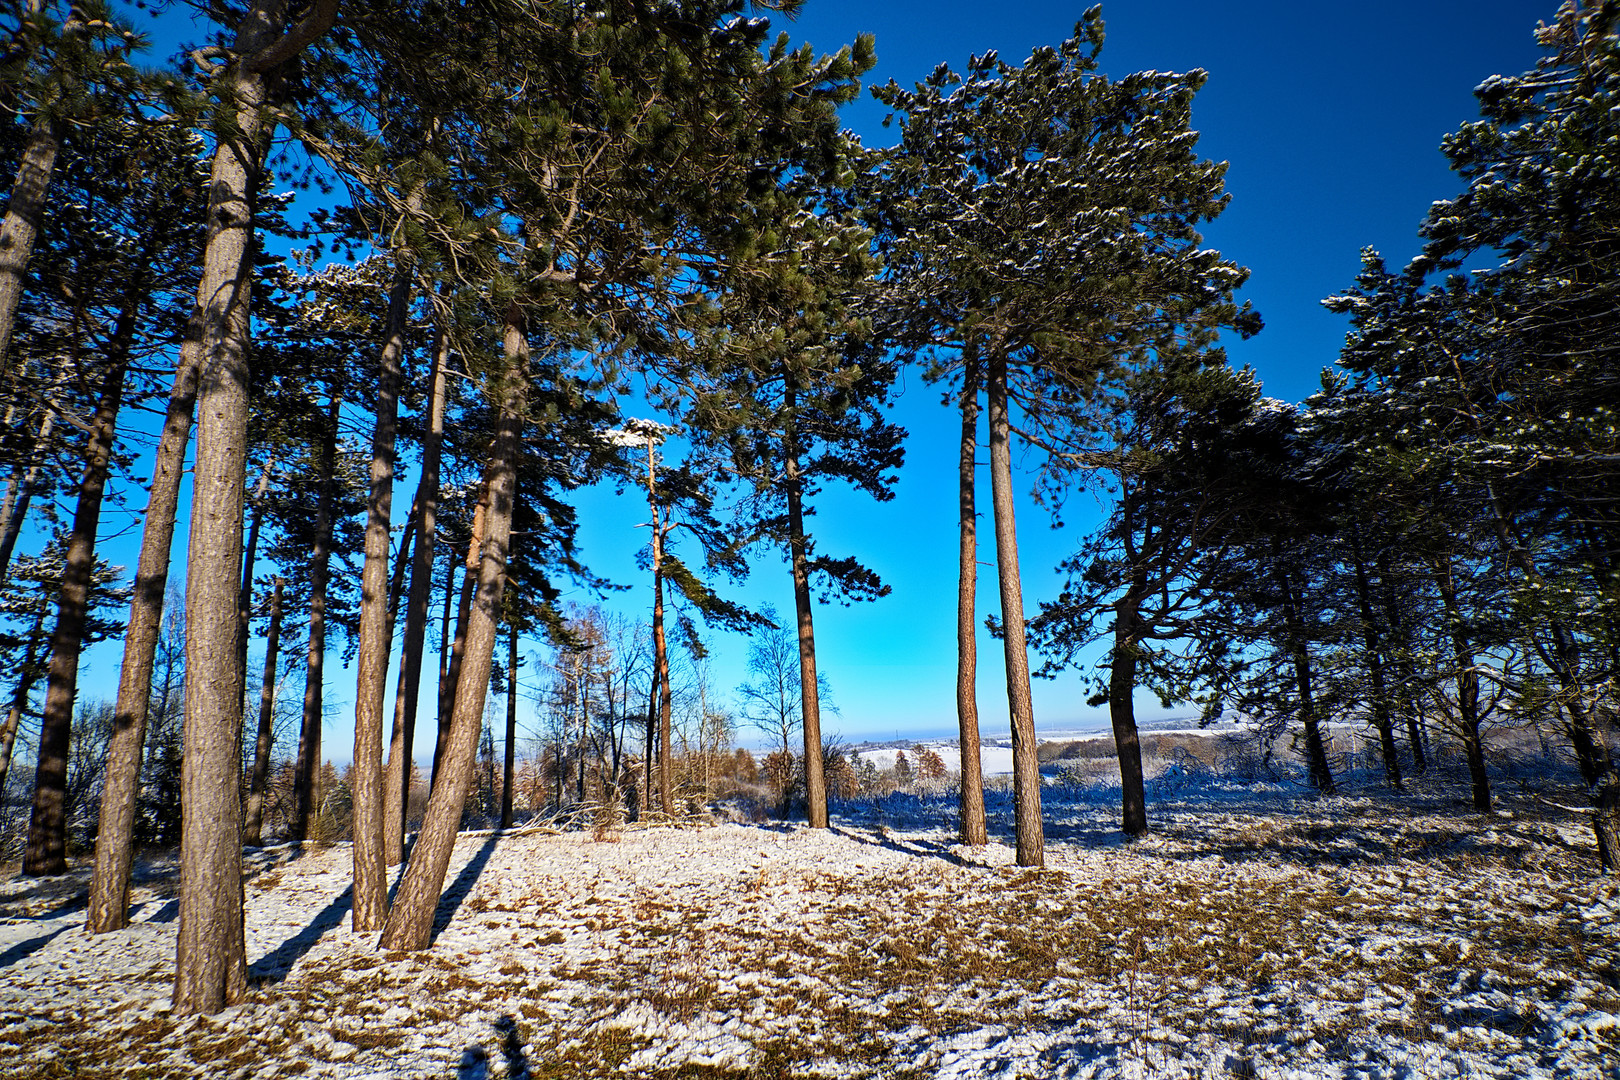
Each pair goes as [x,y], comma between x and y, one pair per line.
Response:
[376,628]
[451,676]
[109,887]
[253,826]
[25,214]
[306,781]
[46,853]
[211,955]
[1029,830]
[815,779]
[410,922]
[407,695]
[971,801]
[25,479]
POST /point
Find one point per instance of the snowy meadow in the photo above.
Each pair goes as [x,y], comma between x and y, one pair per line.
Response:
[1257,932]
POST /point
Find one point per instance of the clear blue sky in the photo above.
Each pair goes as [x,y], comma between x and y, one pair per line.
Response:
[1330,116]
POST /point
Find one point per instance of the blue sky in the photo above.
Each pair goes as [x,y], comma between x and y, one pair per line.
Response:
[1330,118]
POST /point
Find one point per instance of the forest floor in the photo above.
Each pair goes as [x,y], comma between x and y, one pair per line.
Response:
[1257,932]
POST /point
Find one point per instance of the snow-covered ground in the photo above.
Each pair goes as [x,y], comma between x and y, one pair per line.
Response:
[1254,933]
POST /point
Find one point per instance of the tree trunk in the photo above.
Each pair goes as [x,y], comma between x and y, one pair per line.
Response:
[376,627]
[306,782]
[410,923]
[1122,708]
[25,215]
[250,557]
[1379,705]
[458,648]
[815,780]
[509,770]
[46,853]
[971,799]
[27,484]
[1467,687]
[1029,829]
[406,697]
[660,746]
[1403,666]
[210,957]
[252,829]
[27,675]
[109,888]
[1315,751]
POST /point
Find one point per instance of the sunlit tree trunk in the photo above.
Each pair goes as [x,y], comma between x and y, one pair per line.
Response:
[376,626]
[25,216]
[815,779]
[458,647]
[971,802]
[410,922]
[1028,827]
[508,772]
[109,887]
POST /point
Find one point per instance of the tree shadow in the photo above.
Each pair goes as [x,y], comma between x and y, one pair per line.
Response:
[923,849]
[24,949]
[474,1064]
[273,966]
[450,900]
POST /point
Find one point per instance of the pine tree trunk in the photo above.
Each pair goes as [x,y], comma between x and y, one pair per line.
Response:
[410,922]
[407,695]
[25,215]
[250,558]
[46,853]
[1403,665]
[1381,719]
[666,792]
[109,888]
[253,825]
[458,648]
[1122,708]
[1028,827]
[971,796]
[815,779]
[376,628]
[1468,717]
[27,675]
[210,956]
[27,485]
[1315,752]
[508,771]
[306,784]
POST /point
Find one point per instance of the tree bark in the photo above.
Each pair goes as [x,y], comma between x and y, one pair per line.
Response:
[27,484]
[253,827]
[1122,708]
[376,627]
[407,695]
[1403,666]
[1382,721]
[210,957]
[1315,752]
[250,558]
[109,887]
[46,853]
[458,648]
[510,767]
[25,215]
[815,779]
[1028,827]
[27,675]
[971,796]
[1468,717]
[410,922]
[306,782]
